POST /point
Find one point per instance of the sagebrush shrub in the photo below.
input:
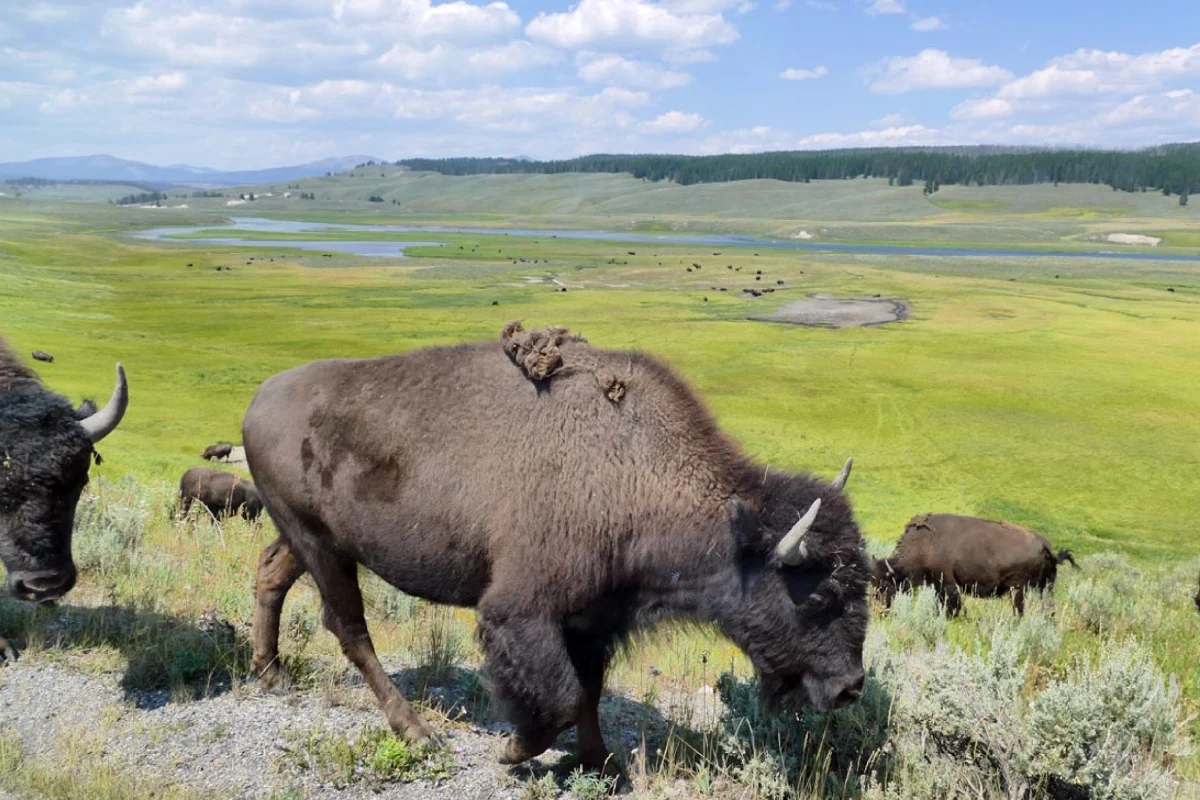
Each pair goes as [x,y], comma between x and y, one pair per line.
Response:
[109,528]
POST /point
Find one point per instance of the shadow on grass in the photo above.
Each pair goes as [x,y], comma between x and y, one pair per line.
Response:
[167,658]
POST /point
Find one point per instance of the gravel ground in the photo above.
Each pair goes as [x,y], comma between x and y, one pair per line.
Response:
[235,745]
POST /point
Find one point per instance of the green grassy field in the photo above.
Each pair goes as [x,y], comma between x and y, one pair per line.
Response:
[846,210]
[1057,393]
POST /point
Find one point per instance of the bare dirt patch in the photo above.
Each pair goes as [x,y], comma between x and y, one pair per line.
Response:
[826,311]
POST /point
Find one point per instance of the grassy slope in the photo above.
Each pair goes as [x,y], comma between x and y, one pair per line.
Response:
[854,210]
[1066,403]
[1060,403]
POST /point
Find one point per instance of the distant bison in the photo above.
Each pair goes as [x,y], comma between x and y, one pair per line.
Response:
[215,452]
[567,520]
[222,493]
[42,355]
[1198,599]
[956,554]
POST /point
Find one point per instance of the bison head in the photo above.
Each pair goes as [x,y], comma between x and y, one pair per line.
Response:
[888,578]
[45,452]
[800,609]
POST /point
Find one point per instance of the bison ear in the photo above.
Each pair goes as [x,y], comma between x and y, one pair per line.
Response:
[743,524]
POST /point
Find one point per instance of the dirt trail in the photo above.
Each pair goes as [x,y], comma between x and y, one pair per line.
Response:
[245,743]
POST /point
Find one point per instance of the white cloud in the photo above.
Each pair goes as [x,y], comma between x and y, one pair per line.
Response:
[45,13]
[758,139]
[613,70]
[794,74]
[674,122]
[888,137]
[886,7]
[63,100]
[928,24]
[166,83]
[888,121]
[783,5]
[270,109]
[931,69]
[449,62]
[1178,106]
[421,19]
[982,108]
[630,22]
[1100,72]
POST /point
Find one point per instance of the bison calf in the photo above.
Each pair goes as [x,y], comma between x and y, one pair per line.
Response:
[216,452]
[42,355]
[956,554]
[222,493]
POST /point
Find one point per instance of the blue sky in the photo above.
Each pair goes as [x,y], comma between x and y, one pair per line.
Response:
[251,83]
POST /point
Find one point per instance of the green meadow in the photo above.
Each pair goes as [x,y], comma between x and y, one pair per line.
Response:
[1059,393]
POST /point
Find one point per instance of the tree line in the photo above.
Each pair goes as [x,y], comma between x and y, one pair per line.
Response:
[1171,169]
[141,198]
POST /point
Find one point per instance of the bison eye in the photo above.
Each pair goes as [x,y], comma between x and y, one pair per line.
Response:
[802,582]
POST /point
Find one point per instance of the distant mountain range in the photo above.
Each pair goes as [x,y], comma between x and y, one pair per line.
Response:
[111,168]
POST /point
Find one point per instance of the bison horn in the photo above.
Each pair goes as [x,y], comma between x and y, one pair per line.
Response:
[105,421]
[840,481]
[792,549]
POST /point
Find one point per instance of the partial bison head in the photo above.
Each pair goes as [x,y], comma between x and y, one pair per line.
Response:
[45,451]
[800,611]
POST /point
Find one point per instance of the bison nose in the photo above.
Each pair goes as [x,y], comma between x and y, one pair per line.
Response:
[42,585]
[850,690]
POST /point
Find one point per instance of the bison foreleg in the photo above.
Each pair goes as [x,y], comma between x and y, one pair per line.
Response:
[1018,600]
[534,678]
[7,651]
[951,597]
[278,569]
[343,616]
[590,658]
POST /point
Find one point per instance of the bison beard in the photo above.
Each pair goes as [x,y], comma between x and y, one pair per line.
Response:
[568,520]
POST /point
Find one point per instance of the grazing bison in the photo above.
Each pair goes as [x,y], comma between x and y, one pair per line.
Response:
[567,520]
[45,450]
[956,554]
[42,355]
[215,452]
[1198,599]
[222,493]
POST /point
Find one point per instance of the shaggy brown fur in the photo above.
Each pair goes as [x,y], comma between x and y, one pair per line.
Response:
[13,372]
[44,460]
[957,554]
[215,452]
[222,493]
[539,354]
[536,352]
[566,519]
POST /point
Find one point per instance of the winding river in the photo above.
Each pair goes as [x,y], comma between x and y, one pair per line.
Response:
[370,248]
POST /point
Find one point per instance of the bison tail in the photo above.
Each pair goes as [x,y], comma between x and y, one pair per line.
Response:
[1065,555]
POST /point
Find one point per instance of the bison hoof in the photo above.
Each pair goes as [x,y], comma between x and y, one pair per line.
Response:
[520,749]
[269,678]
[7,652]
[418,732]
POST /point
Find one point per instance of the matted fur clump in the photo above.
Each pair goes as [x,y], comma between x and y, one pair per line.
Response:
[539,355]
